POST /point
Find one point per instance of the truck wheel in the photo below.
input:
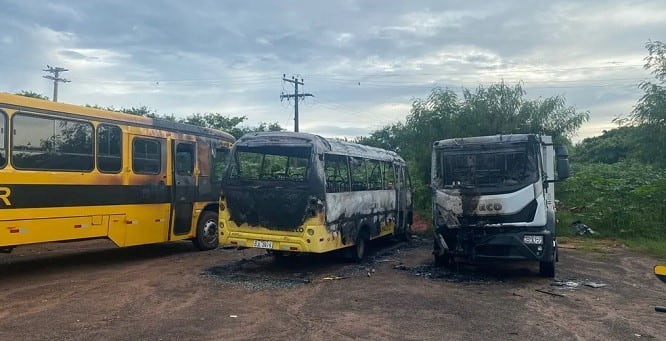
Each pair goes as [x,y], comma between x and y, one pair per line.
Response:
[547,269]
[207,231]
[443,260]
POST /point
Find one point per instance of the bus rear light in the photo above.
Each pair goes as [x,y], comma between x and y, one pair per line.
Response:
[311,232]
[293,248]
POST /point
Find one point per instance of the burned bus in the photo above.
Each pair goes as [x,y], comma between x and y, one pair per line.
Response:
[296,192]
[494,198]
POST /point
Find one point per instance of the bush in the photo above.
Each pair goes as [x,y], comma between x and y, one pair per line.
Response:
[622,200]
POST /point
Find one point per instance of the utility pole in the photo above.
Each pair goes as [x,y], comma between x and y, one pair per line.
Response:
[55,78]
[296,96]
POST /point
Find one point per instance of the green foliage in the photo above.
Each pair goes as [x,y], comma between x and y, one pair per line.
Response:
[650,111]
[497,109]
[32,94]
[610,147]
[623,200]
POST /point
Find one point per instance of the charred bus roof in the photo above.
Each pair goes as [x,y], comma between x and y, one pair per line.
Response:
[319,144]
[492,139]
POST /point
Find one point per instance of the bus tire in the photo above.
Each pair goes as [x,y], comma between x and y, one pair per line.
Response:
[207,231]
[359,249]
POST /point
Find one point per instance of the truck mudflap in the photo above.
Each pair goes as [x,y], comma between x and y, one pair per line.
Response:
[477,246]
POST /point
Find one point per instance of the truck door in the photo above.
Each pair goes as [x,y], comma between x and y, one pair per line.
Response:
[184,188]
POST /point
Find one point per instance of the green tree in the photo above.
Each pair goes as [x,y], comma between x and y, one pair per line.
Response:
[497,109]
[31,94]
[650,111]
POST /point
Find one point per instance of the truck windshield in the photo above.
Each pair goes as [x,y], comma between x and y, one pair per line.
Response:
[277,163]
[487,166]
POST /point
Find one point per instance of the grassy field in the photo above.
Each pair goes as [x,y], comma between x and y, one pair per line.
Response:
[623,202]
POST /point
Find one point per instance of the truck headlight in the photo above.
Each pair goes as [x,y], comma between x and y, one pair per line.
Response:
[530,239]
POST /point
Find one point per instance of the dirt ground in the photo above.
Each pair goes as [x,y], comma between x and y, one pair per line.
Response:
[91,290]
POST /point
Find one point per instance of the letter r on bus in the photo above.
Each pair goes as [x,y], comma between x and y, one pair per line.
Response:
[5,192]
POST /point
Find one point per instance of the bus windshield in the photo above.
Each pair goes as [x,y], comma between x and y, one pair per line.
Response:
[276,163]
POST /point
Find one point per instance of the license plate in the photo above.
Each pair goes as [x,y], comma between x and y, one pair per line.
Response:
[263,244]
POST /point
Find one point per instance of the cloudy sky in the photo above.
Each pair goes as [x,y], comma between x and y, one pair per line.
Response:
[363,60]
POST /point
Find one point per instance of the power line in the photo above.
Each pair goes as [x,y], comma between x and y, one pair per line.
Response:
[55,78]
[296,96]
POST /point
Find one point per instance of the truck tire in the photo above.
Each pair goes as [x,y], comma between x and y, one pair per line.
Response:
[207,231]
[547,269]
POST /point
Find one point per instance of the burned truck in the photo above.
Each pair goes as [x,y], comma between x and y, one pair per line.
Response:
[494,198]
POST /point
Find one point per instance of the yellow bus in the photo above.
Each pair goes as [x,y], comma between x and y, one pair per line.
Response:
[72,173]
[297,192]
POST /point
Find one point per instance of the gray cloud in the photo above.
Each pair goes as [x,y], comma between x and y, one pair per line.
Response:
[363,60]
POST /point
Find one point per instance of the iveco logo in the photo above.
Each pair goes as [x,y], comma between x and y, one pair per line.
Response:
[490,206]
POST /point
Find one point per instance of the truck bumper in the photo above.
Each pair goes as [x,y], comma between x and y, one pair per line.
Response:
[489,245]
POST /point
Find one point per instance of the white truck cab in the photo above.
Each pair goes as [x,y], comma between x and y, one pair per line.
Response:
[494,198]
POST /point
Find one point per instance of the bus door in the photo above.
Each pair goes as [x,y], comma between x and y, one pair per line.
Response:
[184,186]
[401,196]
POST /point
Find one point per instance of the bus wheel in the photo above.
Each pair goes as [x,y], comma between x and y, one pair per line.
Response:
[207,231]
[406,234]
[358,250]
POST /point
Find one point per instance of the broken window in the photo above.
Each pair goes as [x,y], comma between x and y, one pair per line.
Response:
[389,175]
[271,163]
[500,166]
[337,173]
[375,178]
[359,175]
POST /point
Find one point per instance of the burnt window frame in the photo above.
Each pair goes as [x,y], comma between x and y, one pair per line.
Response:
[5,138]
[348,172]
[97,135]
[51,117]
[369,172]
[389,168]
[366,186]
[193,159]
[216,145]
[159,153]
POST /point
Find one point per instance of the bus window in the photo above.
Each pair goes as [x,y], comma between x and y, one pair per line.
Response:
[52,144]
[389,175]
[3,138]
[374,174]
[146,156]
[185,159]
[219,159]
[358,174]
[337,173]
[109,148]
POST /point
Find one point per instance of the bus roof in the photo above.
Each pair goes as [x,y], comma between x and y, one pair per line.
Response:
[476,140]
[22,103]
[322,144]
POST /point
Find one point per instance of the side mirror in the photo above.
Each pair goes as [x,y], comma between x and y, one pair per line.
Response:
[562,168]
[562,152]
